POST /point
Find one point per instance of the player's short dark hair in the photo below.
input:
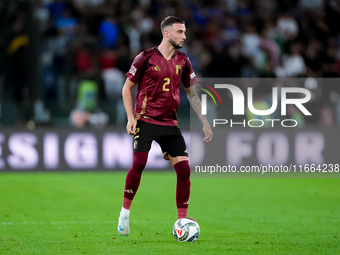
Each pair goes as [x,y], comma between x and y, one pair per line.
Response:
[169,21]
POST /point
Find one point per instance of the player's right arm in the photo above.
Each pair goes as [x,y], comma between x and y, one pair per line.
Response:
[128,101]
[196,105]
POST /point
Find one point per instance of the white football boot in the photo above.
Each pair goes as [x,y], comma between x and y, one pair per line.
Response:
[123,222]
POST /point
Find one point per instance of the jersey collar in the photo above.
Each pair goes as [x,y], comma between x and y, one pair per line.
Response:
[159,53]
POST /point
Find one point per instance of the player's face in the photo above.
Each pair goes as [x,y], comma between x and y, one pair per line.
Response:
[177,35]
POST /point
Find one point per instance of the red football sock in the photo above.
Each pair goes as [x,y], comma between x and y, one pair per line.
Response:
[133,177]
[126,203]
[183,188]
[182,212]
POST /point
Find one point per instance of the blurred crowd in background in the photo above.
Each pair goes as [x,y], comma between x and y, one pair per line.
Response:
[63,61]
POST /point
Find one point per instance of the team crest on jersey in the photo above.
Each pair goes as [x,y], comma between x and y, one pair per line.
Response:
[178,69]
[133,70]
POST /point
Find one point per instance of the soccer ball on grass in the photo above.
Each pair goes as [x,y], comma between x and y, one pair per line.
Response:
[186,230]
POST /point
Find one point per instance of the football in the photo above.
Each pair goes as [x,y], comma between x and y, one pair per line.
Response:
[186,230]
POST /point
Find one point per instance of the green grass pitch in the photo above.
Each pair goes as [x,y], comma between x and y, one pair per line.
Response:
[76,213]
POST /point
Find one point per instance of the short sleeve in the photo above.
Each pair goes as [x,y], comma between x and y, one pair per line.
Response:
[189,76]
[135,70]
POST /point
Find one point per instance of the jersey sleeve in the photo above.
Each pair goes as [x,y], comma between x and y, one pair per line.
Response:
[189,76]
[135,70]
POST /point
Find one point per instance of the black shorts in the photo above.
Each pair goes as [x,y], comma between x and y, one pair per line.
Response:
[168,137]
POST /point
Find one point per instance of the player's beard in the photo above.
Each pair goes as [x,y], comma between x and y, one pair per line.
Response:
[173,43]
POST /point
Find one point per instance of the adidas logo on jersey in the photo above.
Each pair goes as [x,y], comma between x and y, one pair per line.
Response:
[156,68]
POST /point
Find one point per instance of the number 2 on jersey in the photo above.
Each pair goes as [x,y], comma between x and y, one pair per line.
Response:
[167,81]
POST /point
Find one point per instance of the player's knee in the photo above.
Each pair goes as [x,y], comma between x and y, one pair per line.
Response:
[184,175]
[140,159]
[140,165]
[183,170]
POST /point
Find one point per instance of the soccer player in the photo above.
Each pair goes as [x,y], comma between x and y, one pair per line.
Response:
[158,72]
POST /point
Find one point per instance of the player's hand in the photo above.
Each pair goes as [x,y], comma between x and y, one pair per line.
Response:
[131,127]
[208,134]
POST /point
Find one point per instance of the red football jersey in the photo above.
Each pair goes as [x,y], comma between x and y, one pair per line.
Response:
[158,93]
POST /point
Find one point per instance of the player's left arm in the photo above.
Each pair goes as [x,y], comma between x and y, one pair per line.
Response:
[196,105]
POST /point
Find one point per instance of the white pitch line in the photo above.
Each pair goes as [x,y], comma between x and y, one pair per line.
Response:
[56,222]
[73,222]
